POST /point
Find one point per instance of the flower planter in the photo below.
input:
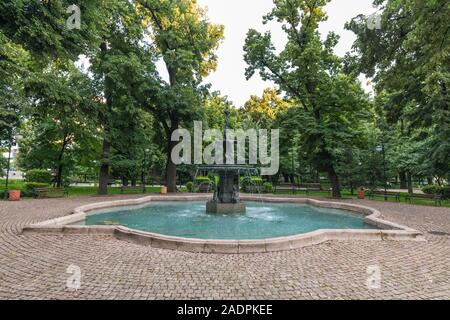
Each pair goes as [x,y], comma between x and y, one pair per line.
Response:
[14,195]
[361,194]
[163,189]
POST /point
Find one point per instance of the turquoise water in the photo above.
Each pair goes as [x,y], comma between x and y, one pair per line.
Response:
[262,220]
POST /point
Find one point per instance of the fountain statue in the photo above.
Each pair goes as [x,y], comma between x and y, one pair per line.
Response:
[226,198]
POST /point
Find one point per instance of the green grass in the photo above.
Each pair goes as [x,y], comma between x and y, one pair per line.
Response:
[92,191]
[75,191]
[347,194]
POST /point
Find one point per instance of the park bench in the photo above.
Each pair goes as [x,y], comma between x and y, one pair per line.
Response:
[395,195]
[329,191]
[436,197]
[46,192]
[253,189]
[131,188]
[311,186]
[285,187]
[204,187]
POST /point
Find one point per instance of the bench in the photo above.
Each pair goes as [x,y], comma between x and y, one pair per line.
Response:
[395,195]
[285,187]
[203,187]
[311,186]
[132,188]
[329,191]
[44,192]
[436,197]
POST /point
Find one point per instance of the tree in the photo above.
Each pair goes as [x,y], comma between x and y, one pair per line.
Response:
[186,42]
[409,58]
[124,72]
[59,119]
[328,102]
[264,110]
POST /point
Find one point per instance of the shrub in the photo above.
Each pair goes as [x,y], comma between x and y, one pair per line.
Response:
[434,189]
[28,189]
[251,184]
[268,187]
[190,186]
[202,180]
[39,175]
[30,186]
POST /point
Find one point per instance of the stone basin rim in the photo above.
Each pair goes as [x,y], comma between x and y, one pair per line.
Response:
[387,230]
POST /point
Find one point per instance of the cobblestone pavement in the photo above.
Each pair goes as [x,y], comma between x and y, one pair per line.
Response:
[34,266]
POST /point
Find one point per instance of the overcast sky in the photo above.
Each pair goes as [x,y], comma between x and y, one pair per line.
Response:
[240,15]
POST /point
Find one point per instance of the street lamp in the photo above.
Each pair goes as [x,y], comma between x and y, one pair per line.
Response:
[383,151]
[12,143]
[144,165]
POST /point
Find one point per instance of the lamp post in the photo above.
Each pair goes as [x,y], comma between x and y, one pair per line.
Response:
[383,152]
[12,142]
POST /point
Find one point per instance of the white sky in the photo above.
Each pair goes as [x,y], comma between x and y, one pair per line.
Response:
[239,16]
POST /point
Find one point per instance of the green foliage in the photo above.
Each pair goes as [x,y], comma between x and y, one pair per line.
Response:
[39,176]
[3,165]
[435,189]
[263,111]
[190,186]
[267,187]
[202,180]
[251,183]
[409,60]
[30,186]
[329,105]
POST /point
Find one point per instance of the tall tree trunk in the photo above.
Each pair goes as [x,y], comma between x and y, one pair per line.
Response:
[104,168]
[171,168]
[409,180]
[335,184]
[60,165]
[403,183]
[59,176]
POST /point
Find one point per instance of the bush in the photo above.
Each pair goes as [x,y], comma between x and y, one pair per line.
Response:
[39,175]
[434,189]
[28,188]
[202,180]
[251,184]
[268,187]
[190,186]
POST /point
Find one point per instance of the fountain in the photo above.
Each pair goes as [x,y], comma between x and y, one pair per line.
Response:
[226,198]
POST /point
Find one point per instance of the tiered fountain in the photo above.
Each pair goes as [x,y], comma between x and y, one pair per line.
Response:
[226,198]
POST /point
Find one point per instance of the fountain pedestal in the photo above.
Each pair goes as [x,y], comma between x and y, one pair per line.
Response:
[225,208]
[226,195]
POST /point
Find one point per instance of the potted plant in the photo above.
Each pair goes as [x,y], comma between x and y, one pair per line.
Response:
[361,193]
[14,195]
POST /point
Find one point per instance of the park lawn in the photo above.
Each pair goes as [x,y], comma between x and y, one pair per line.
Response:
[346,194]
[12,184]
[75,191]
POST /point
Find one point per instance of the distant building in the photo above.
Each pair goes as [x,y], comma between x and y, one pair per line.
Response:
[13,172]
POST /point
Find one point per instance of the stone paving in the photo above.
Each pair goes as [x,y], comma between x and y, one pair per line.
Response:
[34,266]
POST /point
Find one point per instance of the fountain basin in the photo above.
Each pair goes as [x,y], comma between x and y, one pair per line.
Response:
[386,230]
